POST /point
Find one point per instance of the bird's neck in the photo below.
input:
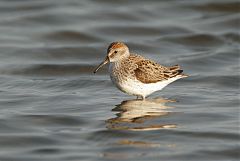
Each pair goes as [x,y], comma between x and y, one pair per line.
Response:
[119,62]
[123,58]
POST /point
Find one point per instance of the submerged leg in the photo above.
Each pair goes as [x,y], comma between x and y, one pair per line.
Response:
[139,97]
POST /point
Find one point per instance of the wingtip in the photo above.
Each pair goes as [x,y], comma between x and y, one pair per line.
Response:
[184,75]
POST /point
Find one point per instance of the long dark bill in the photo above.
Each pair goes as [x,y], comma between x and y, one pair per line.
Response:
[101,65]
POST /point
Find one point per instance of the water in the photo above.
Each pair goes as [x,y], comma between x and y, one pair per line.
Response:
[52,107]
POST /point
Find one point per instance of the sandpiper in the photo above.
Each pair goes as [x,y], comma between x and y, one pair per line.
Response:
[136,75]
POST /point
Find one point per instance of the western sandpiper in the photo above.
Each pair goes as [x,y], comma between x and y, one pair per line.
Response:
[136,75]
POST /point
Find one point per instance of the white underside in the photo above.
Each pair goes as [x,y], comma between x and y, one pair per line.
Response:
[137,88]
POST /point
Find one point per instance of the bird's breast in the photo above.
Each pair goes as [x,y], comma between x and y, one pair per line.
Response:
[120,73]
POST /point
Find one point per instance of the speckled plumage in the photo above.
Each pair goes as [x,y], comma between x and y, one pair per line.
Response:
[136,75]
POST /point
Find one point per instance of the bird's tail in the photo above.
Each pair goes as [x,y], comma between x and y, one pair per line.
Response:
[184,75]
[176,71]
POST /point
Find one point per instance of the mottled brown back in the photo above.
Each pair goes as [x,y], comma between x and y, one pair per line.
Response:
[148,71]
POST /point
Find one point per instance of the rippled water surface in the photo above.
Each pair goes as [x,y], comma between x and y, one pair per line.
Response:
[53,108]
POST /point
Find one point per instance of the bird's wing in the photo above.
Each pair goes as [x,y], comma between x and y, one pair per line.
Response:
[148,71]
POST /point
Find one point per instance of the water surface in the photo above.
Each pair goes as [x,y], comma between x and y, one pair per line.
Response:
[52,107]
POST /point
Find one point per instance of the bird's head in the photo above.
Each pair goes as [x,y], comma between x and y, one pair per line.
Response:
[115,52]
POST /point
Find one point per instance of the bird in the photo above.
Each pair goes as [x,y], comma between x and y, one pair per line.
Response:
[135,75]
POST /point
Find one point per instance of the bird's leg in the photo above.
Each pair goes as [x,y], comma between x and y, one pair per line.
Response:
[140,97]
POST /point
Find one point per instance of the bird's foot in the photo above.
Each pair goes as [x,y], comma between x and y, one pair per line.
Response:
[140,98]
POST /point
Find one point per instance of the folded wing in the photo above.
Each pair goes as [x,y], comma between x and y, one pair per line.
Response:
[148,71]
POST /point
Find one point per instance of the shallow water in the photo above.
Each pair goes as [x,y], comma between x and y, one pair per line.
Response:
[52,107]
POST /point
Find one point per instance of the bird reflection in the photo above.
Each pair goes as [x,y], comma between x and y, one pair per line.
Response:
[138,115]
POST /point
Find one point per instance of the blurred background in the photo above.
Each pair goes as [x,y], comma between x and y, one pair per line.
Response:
[52,107]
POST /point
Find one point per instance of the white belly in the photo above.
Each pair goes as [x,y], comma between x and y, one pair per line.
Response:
[137,88]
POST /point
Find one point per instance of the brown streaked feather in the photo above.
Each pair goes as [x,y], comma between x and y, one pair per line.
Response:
[128,66]
[148,71]
[175,67]
[115,45]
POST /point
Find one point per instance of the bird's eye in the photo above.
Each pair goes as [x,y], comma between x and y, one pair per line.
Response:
[115,51]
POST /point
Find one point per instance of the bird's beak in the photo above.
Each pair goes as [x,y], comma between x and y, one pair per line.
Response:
[102,64]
